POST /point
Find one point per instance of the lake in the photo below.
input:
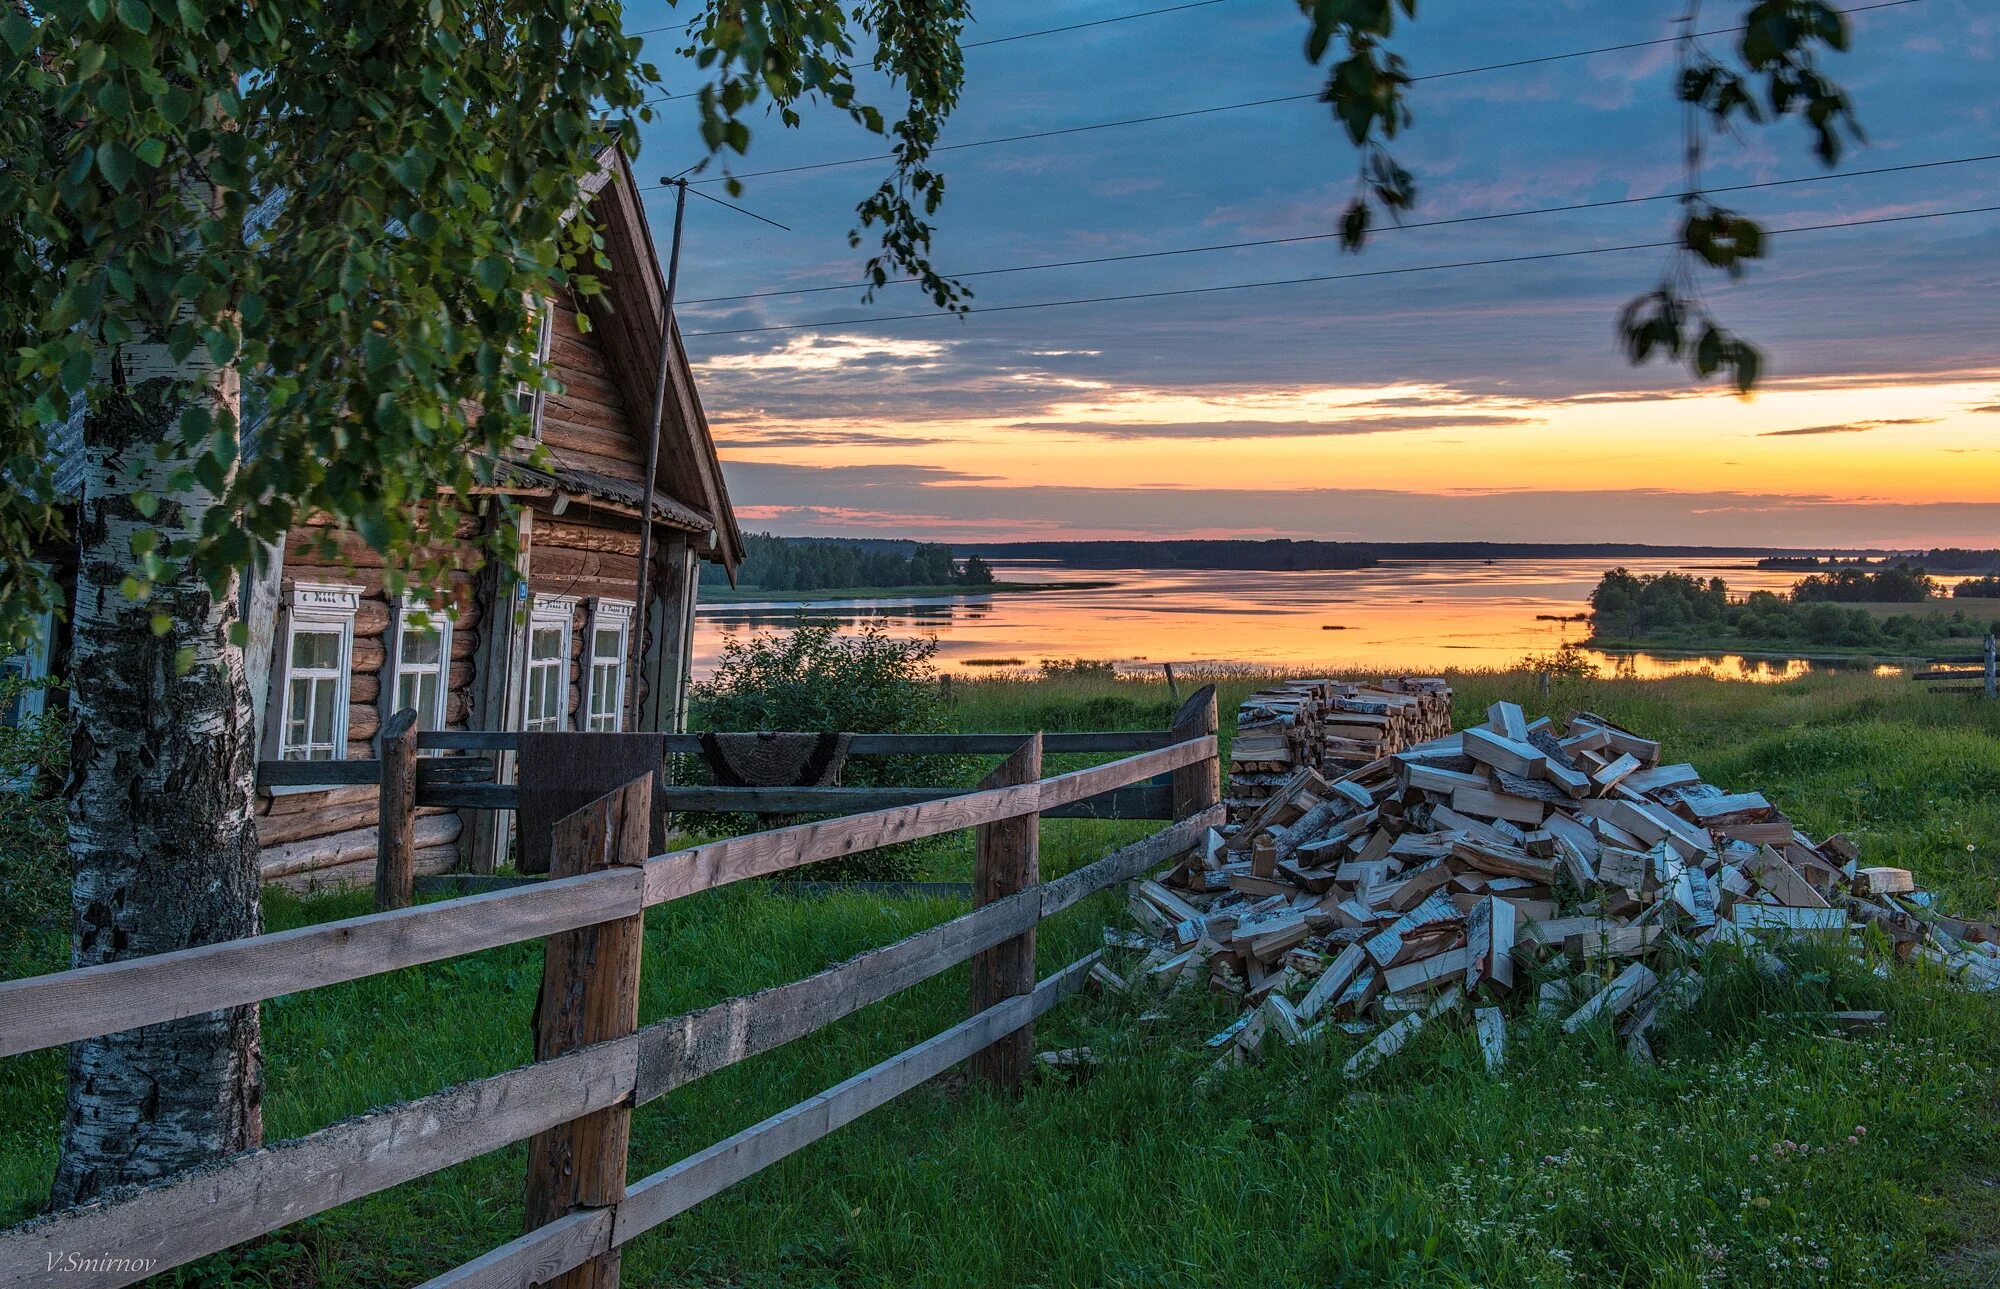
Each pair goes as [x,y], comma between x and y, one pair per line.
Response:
[1408,617]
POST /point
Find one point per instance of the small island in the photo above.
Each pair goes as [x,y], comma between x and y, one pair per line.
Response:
[1849,612]
[813,570]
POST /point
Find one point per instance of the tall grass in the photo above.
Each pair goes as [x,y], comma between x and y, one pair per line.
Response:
[1759,1151]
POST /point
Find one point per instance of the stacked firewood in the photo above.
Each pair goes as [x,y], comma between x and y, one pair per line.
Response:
[1329,726]
[1467,866]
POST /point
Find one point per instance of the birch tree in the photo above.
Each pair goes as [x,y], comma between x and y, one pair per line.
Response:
[416,171]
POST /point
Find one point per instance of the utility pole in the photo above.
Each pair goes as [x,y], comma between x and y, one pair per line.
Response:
[641,608]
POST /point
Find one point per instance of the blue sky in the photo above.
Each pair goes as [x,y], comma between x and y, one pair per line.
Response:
[1475,402]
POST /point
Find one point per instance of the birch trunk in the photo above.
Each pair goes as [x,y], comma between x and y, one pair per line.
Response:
[163,846]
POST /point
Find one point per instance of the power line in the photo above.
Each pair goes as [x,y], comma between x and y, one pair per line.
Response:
[1324,277]
[979,44]
[1320,237]
[1250,103]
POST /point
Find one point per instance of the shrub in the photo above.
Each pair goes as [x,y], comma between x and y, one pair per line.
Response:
[1077,669]
[34,869]
[813,678]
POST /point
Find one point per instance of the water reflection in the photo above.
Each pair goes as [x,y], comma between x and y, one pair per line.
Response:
[1405,616]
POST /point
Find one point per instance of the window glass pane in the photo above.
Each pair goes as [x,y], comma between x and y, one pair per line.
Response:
[324,693]
[315,650]
[422,648]
[426,701]
[610,642]
[546,643]
[298,727]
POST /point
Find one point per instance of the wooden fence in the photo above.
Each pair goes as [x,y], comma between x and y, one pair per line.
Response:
[407,782]
[1965,675]
[594,1064]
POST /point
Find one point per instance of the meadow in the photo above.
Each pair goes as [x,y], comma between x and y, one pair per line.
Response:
[1758,1151]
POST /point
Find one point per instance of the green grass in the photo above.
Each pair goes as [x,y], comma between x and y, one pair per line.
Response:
[1575,1167]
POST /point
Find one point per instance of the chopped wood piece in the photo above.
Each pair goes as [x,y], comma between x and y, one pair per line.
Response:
[1492,1029]
[1625,989]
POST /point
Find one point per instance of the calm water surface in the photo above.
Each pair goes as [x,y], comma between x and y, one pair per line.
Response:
[1408,617]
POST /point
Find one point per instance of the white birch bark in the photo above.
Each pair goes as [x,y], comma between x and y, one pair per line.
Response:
[163,846]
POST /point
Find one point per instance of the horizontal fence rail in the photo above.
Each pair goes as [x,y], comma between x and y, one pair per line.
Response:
[47,1011]
[208,1209]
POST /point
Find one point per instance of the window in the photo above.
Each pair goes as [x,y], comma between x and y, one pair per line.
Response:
[610,643]
[318,657]
[421,675]
[530,399]
[31,664]
[548,663]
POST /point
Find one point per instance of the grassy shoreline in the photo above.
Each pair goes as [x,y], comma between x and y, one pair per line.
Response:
[1574,1167]
[755,595]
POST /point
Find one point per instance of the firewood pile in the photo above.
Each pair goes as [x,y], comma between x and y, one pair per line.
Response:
[1469,867]
[1330,726]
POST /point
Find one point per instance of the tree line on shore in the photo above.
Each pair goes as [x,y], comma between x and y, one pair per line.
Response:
[1821,612]
[774,563]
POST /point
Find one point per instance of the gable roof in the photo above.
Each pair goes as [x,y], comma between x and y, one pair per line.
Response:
[628,319]
[690,491]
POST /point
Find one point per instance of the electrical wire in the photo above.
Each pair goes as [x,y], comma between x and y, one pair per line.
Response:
[977,44]
[1249,103]
[1323,277]
[1320,237]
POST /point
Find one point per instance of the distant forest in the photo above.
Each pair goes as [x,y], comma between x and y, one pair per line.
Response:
[1678,610]
[773,563]
[1286,555]
[1941,559]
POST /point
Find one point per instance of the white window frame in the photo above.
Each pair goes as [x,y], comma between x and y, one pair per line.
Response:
[545,335]
[408,608]
[548,611]
[32,663]
[614,615]
[321,608]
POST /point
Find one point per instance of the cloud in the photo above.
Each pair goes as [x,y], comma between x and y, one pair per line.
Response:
[1986,407]
[805,437]
[1853,427]
[912,501]
[813,352]
[1266,429]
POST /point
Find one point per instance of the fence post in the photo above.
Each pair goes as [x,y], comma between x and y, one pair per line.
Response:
[1197,786]
[1007,858]
[590,994]
[1992,658]
[396,813]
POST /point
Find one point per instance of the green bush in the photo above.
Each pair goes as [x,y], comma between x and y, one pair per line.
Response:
[815,679]
[34,868]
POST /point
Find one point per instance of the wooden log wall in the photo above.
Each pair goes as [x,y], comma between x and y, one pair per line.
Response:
[315,839]
[588,425]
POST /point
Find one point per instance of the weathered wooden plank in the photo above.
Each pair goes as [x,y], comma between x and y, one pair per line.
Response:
[564,771]
[396,813]
[589,995]
[699,868]
[205,1210]
[1006,862]
[537,1257]
[1078,784]
[316,774]
[1094,741]
[47,1011]
[1198,786]
[475,796]
[1134,801]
